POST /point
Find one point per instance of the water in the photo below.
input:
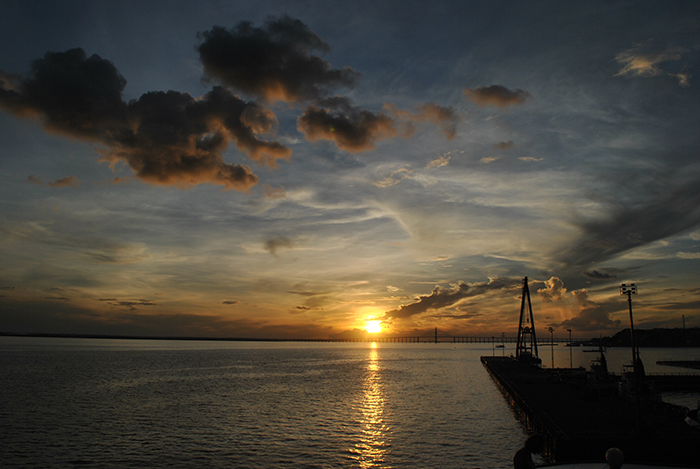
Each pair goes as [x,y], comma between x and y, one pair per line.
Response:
[103,403]
[182,404]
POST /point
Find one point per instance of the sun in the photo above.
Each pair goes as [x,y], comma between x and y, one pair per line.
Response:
[373,326]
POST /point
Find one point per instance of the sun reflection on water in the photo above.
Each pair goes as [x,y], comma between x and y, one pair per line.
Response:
[372,446]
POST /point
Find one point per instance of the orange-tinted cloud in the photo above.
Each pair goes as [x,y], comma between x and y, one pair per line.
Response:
[274,192]
[446,117]
[274,61]
[166,138]
[352,129]
[496,95]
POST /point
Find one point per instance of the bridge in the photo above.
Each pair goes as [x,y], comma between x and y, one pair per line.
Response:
[441,337]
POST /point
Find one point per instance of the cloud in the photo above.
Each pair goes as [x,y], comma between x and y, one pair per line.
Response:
[274,61]
[607,274]
[70,181]
[274,245]
[637,63]
[97,250]
[496,95]
[394,178]
[351,129]
[688,255]
[489,159]
[166,138]
[554,290]
[591,317]
[274,192]
[504,145]
[130,304]
[446,117]
[631,226]
[231,302]
[439,162]
[179,140]
[442,298]
[530,158]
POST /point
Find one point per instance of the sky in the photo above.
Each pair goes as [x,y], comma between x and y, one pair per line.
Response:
[312,169]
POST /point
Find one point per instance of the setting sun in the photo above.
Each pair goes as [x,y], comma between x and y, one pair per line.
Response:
[373,327]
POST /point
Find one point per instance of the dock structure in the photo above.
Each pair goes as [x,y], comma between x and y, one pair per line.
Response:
[581,423]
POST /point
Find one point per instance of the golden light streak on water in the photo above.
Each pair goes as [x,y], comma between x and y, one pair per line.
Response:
[372,445]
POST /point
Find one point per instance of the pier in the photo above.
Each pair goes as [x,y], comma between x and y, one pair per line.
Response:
[580,423]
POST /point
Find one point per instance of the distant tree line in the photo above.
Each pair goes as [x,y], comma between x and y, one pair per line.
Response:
[689,337]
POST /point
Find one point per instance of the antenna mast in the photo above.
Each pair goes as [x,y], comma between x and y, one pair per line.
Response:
[526,347]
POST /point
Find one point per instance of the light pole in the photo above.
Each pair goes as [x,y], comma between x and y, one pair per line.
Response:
[571,353]
[551,343]
[630,290]
[503,344]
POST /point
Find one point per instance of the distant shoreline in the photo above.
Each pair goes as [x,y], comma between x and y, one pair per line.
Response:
[646,338]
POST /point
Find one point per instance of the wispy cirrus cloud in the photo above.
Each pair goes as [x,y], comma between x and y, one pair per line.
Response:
[641,62]
[69,181]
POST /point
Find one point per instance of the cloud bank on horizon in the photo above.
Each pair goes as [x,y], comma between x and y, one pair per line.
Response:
[421,167]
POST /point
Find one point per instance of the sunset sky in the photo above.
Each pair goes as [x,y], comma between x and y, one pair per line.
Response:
[295,169]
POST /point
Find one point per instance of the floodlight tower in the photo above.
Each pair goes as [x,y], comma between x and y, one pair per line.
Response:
[630,290]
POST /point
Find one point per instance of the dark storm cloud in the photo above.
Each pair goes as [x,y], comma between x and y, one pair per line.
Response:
[73,94]
[274,61]
[442,298]
[496,95]
[166,138]
[633,226]
[350,128]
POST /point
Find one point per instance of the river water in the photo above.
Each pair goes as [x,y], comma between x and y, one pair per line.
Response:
[184,404]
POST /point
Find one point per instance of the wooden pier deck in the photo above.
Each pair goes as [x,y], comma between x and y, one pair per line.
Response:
[578,424]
